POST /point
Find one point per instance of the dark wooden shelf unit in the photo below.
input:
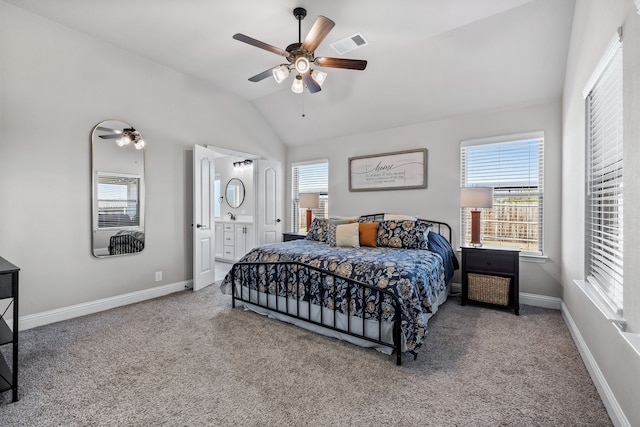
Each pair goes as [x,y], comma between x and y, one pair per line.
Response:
[287,237]
[8,336]
[490,276]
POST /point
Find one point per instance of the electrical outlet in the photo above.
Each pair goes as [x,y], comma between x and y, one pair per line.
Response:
[158,276]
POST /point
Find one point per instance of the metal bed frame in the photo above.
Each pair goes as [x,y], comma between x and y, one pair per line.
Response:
[303,288]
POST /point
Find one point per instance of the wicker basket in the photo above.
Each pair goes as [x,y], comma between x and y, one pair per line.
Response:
[490,289]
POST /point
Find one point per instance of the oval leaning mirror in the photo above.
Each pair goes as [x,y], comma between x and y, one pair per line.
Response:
[234,192]
[117,172]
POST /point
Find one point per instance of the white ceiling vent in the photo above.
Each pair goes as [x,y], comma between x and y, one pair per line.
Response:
[350,43]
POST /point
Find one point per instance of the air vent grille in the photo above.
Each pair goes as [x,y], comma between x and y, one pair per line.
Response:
[349,43]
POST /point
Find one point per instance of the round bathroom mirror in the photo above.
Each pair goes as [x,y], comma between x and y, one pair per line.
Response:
[234,192]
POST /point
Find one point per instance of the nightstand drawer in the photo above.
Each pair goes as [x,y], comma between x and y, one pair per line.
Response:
[494,261]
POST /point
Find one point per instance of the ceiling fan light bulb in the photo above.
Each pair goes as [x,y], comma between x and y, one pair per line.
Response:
[319,76]
[297,86]
[302,64]
[120,142]
[139,144]
[280,73]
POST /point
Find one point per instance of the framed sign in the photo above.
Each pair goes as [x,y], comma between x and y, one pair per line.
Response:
[400,170]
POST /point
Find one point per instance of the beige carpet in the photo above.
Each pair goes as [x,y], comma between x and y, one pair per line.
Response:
[190,360]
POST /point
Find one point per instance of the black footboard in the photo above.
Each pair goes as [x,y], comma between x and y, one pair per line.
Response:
[338,294]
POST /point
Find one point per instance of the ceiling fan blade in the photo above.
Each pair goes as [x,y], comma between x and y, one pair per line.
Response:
[263,75]
[318,32]
[350,64]
[312,85]
[112,136]
[104,129]
[261,45]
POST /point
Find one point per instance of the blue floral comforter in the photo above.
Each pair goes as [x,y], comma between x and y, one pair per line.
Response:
[415,276]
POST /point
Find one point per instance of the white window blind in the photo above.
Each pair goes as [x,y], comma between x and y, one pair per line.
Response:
[513,166]
[604,198]
[311,177]
[118,201]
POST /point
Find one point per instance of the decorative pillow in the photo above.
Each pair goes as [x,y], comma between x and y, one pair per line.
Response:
[393,217]
[331,230]
[348,235]
[323,230]
[318,230]
[368,233]
[404,234]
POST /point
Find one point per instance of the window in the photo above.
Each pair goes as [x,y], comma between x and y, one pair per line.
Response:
[604,178]
[513,166]
[118,201]
[309,177]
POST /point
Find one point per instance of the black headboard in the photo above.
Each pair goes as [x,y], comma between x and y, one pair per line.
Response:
[439,227]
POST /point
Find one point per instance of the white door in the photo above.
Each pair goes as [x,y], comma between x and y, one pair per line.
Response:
[269,191]
[203,218]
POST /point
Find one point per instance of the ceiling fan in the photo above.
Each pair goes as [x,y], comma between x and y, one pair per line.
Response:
[301,55]
[123,137]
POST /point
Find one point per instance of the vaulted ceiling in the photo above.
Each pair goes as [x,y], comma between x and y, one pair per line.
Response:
[427,59]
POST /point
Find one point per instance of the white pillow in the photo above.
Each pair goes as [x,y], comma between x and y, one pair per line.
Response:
[392,217]
[348,218]
[348,235]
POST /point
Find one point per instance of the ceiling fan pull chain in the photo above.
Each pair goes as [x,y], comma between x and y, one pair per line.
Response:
[303,115]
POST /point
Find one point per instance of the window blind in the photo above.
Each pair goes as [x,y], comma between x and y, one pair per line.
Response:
[514,166]
[118,201]
[311,177]
[604,198]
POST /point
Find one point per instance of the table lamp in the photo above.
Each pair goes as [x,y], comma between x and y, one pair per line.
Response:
[309,201]
[476,198]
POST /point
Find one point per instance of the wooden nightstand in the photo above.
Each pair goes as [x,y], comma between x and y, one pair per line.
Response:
[490,275]
[287,237]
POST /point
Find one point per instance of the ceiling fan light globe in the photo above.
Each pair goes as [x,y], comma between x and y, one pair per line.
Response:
[297,86]
[302,64]
[280,73]
[139,144]
[319,76]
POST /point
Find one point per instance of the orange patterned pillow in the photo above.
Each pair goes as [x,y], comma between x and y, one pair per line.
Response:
[368,234]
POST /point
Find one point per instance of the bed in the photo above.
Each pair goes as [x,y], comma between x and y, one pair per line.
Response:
[380,297]
[126,242]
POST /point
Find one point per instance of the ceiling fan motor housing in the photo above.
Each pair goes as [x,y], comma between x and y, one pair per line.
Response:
[299,13]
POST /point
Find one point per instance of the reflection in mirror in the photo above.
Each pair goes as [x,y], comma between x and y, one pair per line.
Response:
[234,192]
[118,189]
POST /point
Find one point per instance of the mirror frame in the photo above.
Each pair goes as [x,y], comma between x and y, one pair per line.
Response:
[241,194]
[111,166]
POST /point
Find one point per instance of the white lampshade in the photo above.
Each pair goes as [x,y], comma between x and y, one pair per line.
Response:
[309,200]
[319,76]
[297,86]
[476,197]
[280,73]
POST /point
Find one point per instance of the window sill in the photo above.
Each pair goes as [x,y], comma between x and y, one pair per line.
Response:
[599,302]
[617,319]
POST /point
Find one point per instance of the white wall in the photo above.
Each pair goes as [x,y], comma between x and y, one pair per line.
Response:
[595,23]
[56,85]
[440,200]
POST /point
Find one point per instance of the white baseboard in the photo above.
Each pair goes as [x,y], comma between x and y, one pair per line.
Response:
[525,298]
[611,404]
[65,313]
[540,301]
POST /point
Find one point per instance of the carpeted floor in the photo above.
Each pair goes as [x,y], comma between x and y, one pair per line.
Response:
[188,359]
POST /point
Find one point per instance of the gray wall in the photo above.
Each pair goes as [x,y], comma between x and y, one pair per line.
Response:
[56,85]
[595,23]
[440,200]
